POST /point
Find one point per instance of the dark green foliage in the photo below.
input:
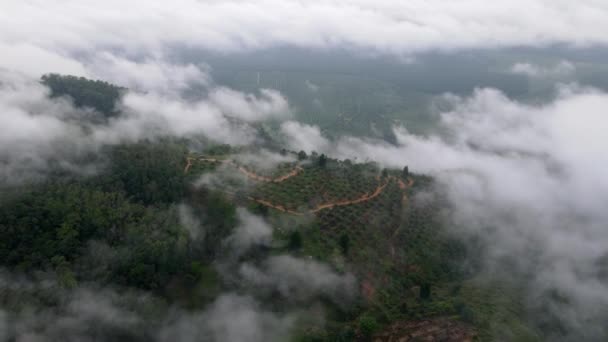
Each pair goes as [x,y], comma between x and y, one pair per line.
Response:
[150,172]
[425,291]
[322,160]
[302,155]
[218,150]
[218,215]
[295,241]
[368,325]
[56,220]
[120,227]
[260,209]
[344,243]
[98,95]
[406,172]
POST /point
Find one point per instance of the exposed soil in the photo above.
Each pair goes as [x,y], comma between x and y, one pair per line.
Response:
[280,179]
[188,165]
[437,329]
[363,198]
[252,175]
[246,172]
[275,206]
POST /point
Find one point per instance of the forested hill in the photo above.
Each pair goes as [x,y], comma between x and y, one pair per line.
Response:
[163,237]
[99,95]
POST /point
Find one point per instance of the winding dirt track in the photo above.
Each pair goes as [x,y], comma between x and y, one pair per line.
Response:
[280,179]
[275,206]
[246,172]
[363,198]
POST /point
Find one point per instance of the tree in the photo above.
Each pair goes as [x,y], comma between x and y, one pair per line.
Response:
[98,95]
[322,160]
[302,155]
[405,173]
[344,243]
[368,325]
[425,291]
[295,241]
[150,172]
[262,209]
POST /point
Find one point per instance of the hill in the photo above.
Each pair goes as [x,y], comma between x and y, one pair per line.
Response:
[164,231]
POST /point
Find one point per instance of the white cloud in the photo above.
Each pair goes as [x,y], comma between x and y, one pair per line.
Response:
[561,69]
[251,231]
[231,317]
[299,280]
[190,222]
[304,137]
[382,25]
[530,180]
[264,159]
[27,59]
[311,86]
[150,75]
[35,129]
[249,108]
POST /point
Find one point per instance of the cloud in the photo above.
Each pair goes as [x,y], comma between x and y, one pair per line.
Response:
[299,280]
[36,131]
[249,108]
[3,326]
[230,317]
[91,313]
[561,69]
[264,159]
[25,58]
[251,231]
[153,75]
[190,222]
[151,115]
[103,314]
[386,26]
[304,137]
[80,314]
[531,181]
[311,86]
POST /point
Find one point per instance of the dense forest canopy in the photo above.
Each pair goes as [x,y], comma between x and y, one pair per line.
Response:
[99,95]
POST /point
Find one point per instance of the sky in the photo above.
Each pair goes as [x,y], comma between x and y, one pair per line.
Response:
[535,172]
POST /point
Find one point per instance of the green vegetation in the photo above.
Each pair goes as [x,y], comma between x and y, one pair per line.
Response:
[124,228]
[408,265]
[98,95]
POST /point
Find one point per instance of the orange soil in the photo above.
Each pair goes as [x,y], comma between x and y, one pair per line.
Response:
[363,198]
[280,179]
[248,173]
[368,290]
[433,329]
[189,165]
[275,206]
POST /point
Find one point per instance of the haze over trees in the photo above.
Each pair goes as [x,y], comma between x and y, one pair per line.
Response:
[280,170]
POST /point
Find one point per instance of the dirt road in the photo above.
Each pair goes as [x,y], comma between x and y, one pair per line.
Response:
[252,175]
[249,174]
